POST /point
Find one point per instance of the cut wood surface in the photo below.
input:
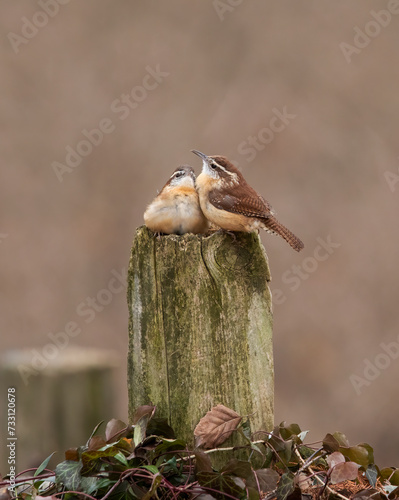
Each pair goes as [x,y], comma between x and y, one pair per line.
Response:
[58,400]
[200,327]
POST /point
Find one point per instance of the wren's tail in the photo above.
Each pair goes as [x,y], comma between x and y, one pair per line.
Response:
[272,225]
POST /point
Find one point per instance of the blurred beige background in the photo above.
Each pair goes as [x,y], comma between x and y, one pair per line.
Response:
[211,75]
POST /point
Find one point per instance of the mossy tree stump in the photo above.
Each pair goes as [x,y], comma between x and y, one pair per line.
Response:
[58,400]
[200,327]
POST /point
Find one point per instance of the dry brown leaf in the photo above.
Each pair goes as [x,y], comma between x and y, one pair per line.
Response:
[217,425]
[335,459]
[344,472]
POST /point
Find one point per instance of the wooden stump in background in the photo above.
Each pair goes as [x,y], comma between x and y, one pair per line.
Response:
[58,404]
[200,328]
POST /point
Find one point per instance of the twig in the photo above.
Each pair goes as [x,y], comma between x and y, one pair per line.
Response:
[231,448]
[76,493]
[318,478]
[313,457]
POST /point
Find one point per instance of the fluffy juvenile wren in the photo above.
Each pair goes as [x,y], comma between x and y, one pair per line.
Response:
[229,202]
[176,209]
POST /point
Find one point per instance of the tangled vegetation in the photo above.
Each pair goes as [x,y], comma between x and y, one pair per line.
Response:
[146,461]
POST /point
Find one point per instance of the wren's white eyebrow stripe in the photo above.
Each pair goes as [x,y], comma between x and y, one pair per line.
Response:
[234,178]
[222,168]
[175,173]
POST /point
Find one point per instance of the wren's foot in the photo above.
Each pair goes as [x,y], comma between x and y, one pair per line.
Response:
[157,234]
[231,233]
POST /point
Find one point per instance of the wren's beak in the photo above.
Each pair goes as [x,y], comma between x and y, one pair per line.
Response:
[201,155]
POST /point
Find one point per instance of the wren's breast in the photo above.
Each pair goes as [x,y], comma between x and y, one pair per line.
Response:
[225,220]
[176,211]
[188,215]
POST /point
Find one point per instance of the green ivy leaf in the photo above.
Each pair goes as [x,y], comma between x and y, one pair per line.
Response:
[282,447]
[252,493]
[124,444]
[302,436]
[267,479]
[390,474]
[239,468]
[159,427]
[276,441]
[140,429]
[341,438]
[389,488]
[371,493]
[369,450]
[220,482]
[151,468]
[170,467]
[91,460]
[69,474]
[268,458]
[94,431]
[167,445]
[330,443]
[89,484]
[287,431]
[358,454]
[43,465]
[394,493]
[285,486]
[202,462]
[305,452]
[372,475]
[246,429]
[100,484]
[120,457]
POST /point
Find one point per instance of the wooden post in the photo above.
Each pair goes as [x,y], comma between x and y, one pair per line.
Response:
[58,403]
[200,327]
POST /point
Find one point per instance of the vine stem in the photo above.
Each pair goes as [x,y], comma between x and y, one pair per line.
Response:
[312,459]
[231,448]
[317,477]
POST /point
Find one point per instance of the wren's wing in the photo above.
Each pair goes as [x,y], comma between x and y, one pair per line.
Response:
[248,202]
[244,202]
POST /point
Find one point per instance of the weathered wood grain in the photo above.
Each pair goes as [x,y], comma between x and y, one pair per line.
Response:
[200,327]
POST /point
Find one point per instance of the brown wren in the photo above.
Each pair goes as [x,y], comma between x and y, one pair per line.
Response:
[176,209]
[229,202]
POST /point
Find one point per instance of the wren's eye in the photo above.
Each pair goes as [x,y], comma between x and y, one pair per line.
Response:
[213,166]
[179,174]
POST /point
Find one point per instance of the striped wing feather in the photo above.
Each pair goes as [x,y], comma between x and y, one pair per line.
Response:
[241,201]
[247,202]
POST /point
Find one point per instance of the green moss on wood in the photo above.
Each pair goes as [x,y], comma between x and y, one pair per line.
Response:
[200,328]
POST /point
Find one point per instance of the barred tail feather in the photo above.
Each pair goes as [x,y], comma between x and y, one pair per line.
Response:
[272,225]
